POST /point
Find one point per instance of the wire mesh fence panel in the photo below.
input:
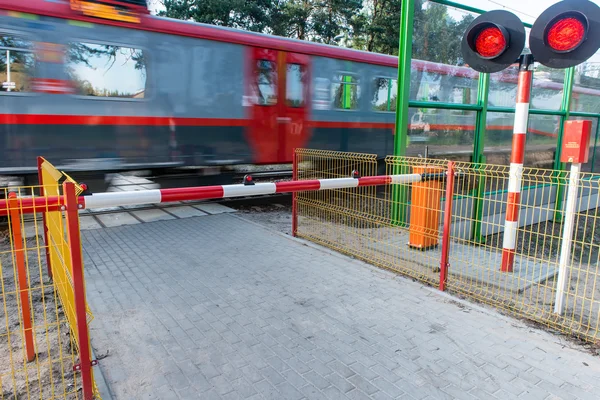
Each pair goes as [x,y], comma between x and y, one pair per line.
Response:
[337,218]
[361,222]
[478,237]
[37,347]
[400,227]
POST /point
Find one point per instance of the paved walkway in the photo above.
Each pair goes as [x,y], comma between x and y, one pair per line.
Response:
[218,307]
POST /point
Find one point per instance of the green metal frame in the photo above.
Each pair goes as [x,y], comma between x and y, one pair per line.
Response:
[400,194]
[595,143]
[483,91]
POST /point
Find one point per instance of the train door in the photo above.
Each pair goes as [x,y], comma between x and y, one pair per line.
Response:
[293,130]
[279,86]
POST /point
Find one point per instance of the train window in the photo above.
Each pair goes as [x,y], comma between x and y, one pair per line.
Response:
[384,94]
[16,64]
[267,82]
[295,81]
[101,70]
[345,92]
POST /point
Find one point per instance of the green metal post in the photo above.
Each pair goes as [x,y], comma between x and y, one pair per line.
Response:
[483,90]
[400,193]
[558,166]
[595,144]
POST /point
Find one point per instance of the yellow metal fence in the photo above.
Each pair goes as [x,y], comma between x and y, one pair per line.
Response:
[400,227]
[40,335]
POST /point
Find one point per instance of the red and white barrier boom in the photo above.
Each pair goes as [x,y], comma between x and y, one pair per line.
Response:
[248,188]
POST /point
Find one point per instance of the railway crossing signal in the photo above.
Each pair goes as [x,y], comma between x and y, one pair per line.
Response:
[564,35]
[493,41]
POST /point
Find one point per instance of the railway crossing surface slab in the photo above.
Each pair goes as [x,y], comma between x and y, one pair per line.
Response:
[218,307]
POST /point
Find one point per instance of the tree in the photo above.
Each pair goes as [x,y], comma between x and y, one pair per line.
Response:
[292,19]
[333,17]
[242,14]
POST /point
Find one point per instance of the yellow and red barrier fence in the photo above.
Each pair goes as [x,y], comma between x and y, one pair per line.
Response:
[45,350]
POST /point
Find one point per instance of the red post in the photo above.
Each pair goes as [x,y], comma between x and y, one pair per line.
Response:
[445,260]
[72,214]
[40,161]
[294,196]
[15,221]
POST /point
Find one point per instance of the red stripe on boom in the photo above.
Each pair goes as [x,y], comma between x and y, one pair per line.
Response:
[297,186]
[374,180]
[194,193]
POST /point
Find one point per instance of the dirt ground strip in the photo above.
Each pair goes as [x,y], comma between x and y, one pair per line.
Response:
[50,374]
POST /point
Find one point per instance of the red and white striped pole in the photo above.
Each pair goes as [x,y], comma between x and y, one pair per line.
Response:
[517,159]
[248,188]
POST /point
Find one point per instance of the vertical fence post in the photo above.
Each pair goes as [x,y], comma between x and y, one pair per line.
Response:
[40,161]
[294,195]
[72,217]
[565,249]
[445,261]
[22,281]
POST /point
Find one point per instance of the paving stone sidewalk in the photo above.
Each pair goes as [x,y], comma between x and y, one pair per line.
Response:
[216,307]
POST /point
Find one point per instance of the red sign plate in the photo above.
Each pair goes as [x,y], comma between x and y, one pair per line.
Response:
[576,142]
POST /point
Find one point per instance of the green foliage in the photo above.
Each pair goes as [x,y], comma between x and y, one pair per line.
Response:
[253,15]
[371,25]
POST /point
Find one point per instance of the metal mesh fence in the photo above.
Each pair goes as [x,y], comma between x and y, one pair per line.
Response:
[528,291]
[44,318]
[37,348]
[400,227]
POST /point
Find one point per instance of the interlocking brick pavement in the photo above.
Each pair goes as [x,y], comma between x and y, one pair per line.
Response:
[217,307]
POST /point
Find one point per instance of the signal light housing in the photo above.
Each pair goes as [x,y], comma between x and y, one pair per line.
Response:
[566,34]
[493,41]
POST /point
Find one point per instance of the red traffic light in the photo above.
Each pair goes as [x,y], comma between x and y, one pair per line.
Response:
[490,42]
[493,41]
[566,34]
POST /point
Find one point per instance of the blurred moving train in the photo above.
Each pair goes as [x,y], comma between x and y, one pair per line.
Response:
[104,85]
